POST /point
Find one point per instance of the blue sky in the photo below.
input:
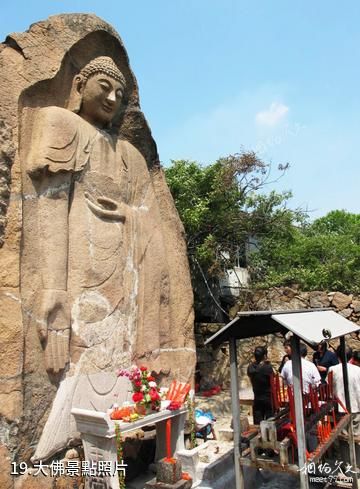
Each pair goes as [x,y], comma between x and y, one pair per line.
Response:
[215,76]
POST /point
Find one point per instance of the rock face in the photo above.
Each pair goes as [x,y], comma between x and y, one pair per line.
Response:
[90,239]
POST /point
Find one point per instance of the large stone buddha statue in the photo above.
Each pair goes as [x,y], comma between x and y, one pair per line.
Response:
[103,267]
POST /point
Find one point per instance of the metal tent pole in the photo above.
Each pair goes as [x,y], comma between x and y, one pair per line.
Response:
[235,406]
[299,411]
[352,450]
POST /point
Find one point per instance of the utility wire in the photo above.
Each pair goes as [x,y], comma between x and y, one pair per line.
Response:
[208,287]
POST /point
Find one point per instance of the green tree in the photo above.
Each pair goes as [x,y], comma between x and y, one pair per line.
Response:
[222,204]
[322,255]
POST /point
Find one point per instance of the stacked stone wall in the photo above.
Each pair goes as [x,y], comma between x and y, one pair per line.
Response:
[213,364]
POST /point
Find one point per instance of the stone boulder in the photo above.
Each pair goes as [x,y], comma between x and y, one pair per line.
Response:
[36,71]
[341,301]
[318,298]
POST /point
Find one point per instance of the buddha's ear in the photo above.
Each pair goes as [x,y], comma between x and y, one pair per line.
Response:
[75,98]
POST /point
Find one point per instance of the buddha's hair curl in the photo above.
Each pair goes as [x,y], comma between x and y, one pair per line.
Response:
[103,64]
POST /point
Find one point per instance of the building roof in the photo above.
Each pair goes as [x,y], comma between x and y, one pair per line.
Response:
[311,325]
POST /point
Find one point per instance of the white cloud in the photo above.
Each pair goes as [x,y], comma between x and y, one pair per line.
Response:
[273,115]
[225,128]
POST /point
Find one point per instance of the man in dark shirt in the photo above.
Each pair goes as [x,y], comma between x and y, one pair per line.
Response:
[324,359]
[260,372]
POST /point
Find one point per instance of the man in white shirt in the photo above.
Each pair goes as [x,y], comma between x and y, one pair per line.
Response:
[310,374]
[354,385]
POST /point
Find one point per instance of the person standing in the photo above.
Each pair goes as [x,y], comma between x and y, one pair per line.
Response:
[310,374]
[260,373]
[324,359]
[354,385]
[287,356]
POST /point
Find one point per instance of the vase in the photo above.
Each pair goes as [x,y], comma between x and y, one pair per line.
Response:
[142,409]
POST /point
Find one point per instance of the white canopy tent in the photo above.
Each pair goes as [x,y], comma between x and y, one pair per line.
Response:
[310,325]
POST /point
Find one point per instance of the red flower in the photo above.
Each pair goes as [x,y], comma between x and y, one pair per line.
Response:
[151,378]
[137,383]
[174,405]
[154,395]
[137,396]
[143,369]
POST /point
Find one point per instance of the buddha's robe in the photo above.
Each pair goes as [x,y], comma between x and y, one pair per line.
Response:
[117,273]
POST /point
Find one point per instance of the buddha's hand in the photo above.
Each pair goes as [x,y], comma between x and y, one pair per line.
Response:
[54,328]
[106,208]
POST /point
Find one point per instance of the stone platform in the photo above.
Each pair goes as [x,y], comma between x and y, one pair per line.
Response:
[181,484]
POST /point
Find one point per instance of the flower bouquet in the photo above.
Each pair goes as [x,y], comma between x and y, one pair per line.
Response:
[146,393]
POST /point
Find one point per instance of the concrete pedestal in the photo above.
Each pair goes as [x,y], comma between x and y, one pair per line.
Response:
[168,472]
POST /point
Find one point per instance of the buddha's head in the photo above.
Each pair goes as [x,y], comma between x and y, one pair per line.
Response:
[98,90]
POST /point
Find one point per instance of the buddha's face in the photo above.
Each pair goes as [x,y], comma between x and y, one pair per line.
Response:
[101,98]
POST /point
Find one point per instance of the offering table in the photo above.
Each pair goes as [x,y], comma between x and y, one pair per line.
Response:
[99,440]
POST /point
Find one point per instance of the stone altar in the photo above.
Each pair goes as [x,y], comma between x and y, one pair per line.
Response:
[98,435]
[93,266]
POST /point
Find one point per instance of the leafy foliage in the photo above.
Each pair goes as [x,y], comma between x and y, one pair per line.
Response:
[221,206]
[322,255]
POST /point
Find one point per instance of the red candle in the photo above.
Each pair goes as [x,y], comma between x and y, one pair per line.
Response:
[168,438]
